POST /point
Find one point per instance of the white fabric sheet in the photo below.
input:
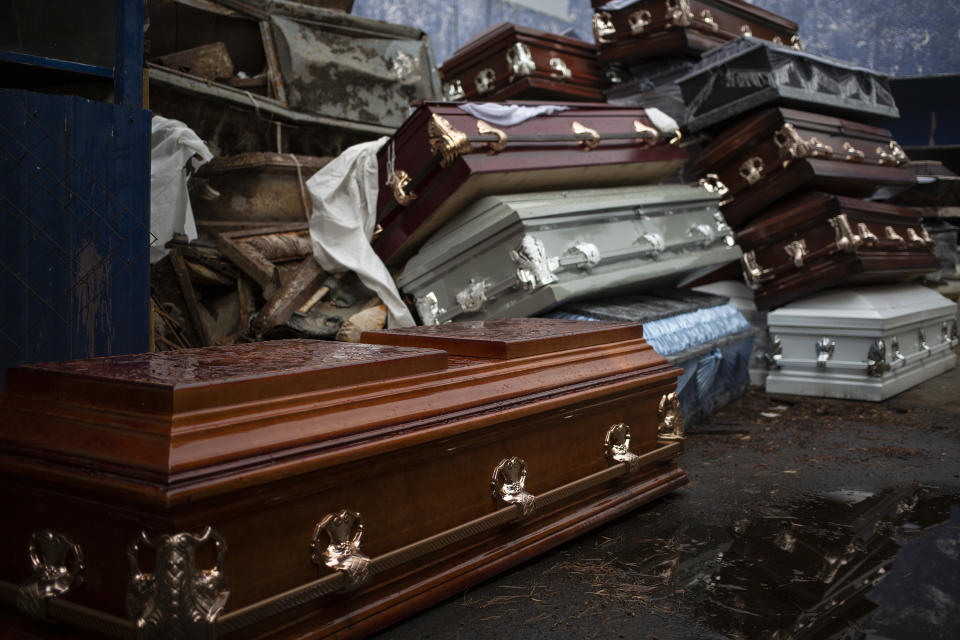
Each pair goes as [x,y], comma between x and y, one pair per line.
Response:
[344,195]
[172,146]
[508,115]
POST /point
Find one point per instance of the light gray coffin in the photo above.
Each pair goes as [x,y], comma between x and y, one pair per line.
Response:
[862,343]
[519,255]
[741,297]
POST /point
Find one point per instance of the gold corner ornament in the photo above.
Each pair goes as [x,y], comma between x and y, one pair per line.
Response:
[495,146]
[178,599]
[399,182]
[670,417]
[56,563]
[344,531]
[446,141]
[586,144]
[508,486]
[616,448]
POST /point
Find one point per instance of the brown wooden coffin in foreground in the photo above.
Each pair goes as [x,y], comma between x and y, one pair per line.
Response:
[237,491]
[649,29]
[443,158]
[509,62]
[815,241]
[778,151]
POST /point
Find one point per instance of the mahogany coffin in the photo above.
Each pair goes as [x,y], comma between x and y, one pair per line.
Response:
[816,240]
[779,151]
[313,489]
[648,29]
[444,157]
[509,61]
[749,73]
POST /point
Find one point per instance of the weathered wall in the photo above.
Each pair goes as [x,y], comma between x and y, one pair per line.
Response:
[899,37]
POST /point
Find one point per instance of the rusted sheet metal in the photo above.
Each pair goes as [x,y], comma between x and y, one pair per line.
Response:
[254,190]
[362,70]
[186,84]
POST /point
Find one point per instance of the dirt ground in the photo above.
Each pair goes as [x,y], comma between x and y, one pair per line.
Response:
[805,518]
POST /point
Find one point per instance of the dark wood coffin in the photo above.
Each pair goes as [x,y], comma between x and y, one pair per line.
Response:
[816,240]
[778,151]
[312,489]
[749,73]
[441,160]
[509,62]
[648,29]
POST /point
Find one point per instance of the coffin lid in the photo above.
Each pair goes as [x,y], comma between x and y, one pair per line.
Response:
[484,43]
[492,214]
[191,379]
[738,7]
[507,338]
[879,307]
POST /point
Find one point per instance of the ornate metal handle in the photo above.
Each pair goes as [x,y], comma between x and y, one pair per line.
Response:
[752,170]
[520,60]
[707,17]
[559,69]
[484,80]
[824,348]
[453,90]
[638,21]
[867,237]
[852,154]
[753,275]
[501,142]
[509,486]
[797,250]
[587,145]
[877,359]
[846,239]
[345,532]
[603,29]
[892,234]
[399,182]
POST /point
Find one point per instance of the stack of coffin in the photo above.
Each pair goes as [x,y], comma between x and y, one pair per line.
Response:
[647,45]
[704,334]
[511,62]
[802,185]
[804,171]
[301,488]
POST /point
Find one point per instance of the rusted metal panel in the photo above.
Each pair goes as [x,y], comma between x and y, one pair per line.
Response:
[210,61]
[353,68]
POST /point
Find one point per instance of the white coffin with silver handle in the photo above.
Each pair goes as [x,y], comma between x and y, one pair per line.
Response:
[862,343]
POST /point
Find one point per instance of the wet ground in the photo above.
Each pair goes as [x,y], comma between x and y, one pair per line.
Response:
[805,519]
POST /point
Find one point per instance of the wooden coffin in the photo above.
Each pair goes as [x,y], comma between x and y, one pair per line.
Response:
[238,491]
[778,151]
[817,240]
[749,73]
[509,62]
[523,254]
[444,158]
[862,343]
[633,31]
[253,191]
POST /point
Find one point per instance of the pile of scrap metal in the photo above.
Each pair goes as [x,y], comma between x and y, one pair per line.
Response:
[274,88]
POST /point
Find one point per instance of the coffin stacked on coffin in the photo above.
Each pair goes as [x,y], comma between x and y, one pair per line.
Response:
[647,45]
[797,179]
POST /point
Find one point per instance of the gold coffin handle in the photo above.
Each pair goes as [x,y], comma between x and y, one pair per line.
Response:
[399,182]
[589,144]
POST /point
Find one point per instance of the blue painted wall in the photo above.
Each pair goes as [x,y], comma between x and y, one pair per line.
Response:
[898,37]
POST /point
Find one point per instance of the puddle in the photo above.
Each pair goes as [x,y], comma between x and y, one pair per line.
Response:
[847,565]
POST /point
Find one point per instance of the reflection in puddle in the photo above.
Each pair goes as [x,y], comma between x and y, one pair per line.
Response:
[843,566]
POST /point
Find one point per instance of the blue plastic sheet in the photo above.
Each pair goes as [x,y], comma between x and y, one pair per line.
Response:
[686,330]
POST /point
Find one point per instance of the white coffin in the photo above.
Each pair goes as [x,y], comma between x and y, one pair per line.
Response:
[741,297]
[862,343]
[520,255]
